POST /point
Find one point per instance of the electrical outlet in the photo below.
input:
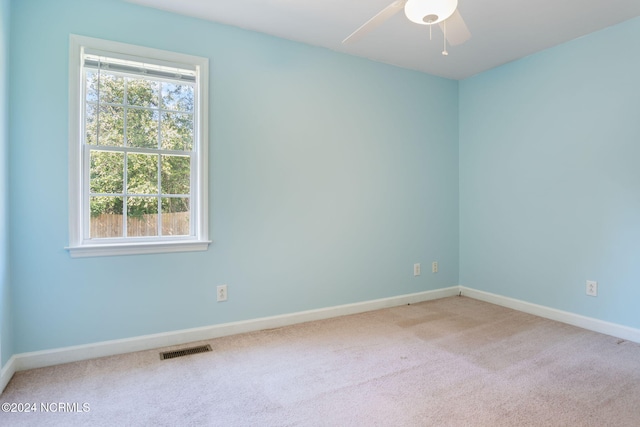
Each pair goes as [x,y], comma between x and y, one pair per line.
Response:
[592,288]
[221,293]
[434,267]
[416,269]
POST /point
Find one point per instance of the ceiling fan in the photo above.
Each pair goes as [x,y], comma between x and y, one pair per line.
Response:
[424,12]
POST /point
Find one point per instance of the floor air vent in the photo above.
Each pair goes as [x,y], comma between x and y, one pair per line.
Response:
[185,352]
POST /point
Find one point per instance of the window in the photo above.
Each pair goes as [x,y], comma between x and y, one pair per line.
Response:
[137,150]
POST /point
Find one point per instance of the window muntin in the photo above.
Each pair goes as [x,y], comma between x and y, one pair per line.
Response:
[140,149]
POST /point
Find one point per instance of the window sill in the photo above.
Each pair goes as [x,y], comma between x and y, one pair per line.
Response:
[140,248]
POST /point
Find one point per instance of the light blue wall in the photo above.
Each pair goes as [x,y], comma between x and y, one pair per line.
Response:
[6,333]
[550,177]
[330,177]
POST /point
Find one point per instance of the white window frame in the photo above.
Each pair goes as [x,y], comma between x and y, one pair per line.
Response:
[80,245]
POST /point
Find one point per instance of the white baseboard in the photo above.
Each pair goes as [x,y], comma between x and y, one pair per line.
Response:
[39,359]
[6,373]
[607,328]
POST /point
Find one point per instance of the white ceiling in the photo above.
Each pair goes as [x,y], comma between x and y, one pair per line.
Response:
[502,30]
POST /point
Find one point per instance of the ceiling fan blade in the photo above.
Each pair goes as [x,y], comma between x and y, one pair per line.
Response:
[372,23]
[457,31]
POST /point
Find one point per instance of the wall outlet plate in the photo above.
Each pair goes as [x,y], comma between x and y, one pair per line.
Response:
[221,293]
[592,288]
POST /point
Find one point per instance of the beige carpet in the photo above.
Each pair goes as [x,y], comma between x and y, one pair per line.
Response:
[450,362]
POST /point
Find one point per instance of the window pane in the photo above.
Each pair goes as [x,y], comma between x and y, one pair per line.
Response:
[142,216]
[142,174]
[177,131]
[91,81]
[177,97]
[106,172]
[111,124]
[176,173]
[142,92]
[91,124]
[175,216]
[142,128]
[106,217]
[111,88]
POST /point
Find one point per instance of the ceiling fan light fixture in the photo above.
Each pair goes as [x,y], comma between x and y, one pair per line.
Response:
[429,12]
